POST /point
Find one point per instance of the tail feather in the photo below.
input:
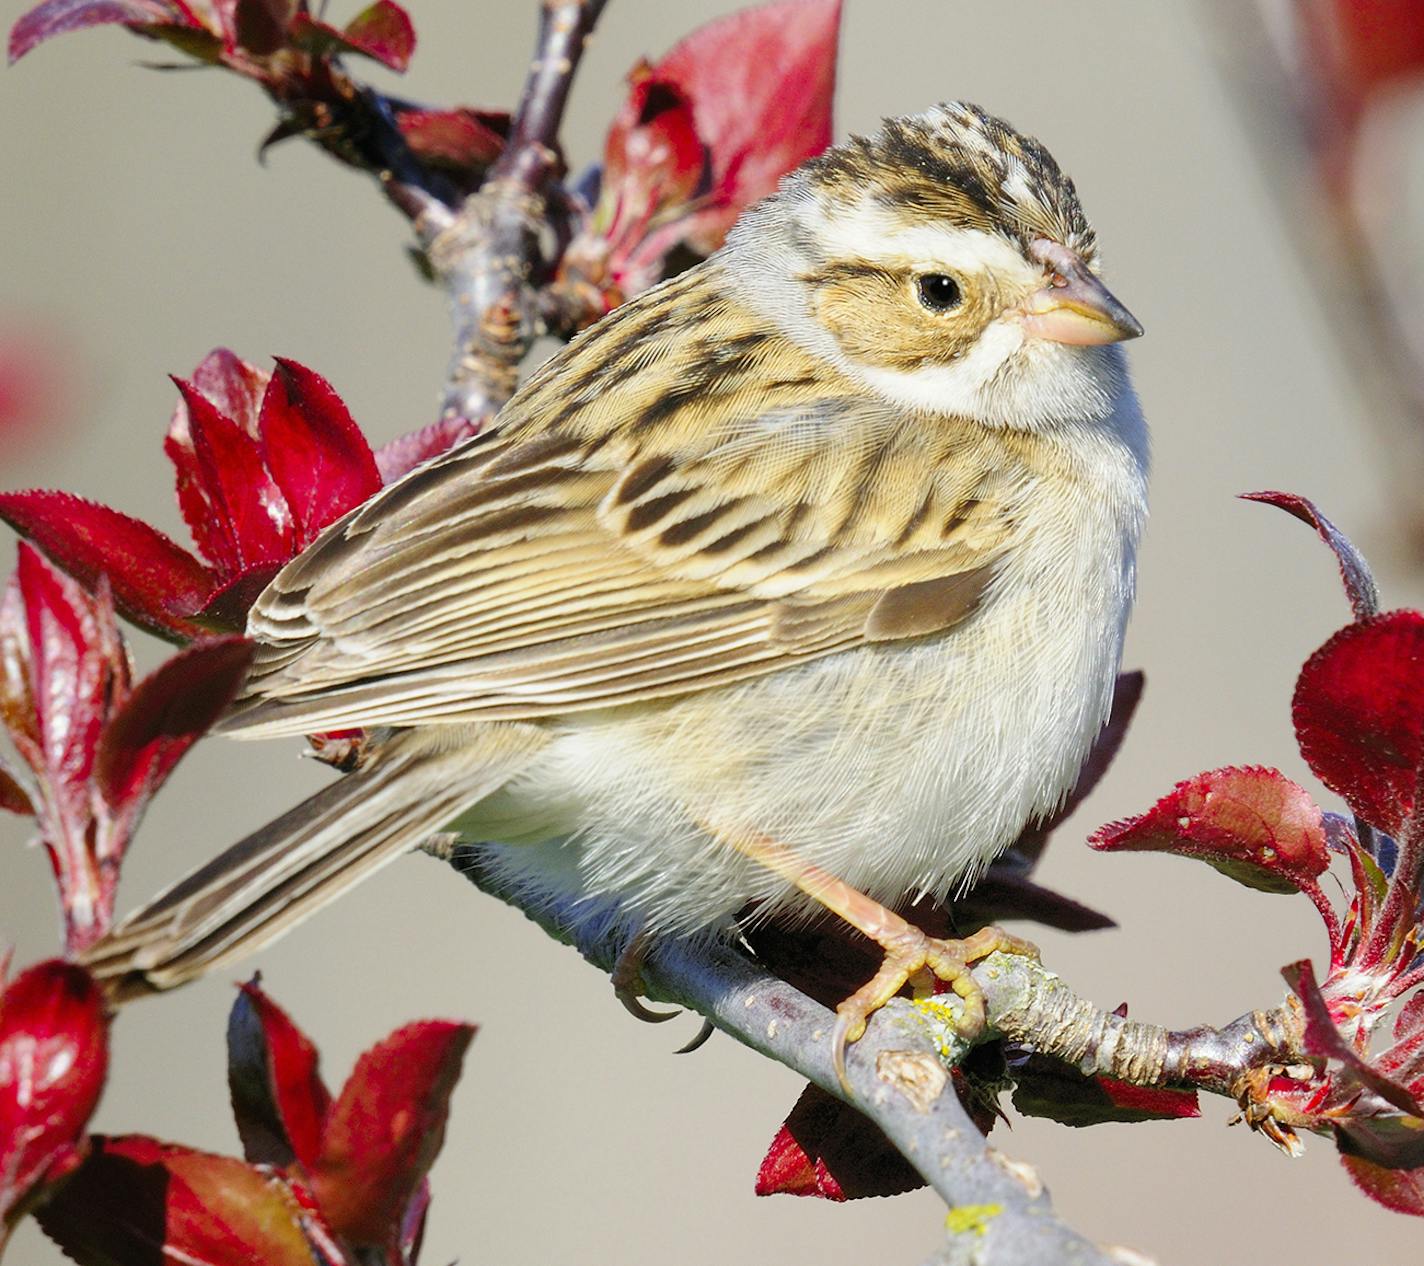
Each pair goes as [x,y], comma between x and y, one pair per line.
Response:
[259,888]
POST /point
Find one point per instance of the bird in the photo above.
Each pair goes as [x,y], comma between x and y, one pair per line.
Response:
[796,584]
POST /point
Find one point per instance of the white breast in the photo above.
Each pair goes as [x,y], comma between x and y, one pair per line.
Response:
[898,768]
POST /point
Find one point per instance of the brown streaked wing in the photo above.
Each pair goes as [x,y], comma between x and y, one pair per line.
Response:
[635,550]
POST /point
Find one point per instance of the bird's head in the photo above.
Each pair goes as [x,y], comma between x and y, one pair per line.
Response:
[946,263]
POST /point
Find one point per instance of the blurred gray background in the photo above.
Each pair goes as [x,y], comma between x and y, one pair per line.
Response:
[137,227]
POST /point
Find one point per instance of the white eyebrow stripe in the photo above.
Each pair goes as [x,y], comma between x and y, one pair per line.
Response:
[875,234]
[970,250]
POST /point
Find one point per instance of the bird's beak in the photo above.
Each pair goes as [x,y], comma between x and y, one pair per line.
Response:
[1075,307]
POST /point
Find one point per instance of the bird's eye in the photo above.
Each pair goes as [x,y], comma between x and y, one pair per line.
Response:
[938,292]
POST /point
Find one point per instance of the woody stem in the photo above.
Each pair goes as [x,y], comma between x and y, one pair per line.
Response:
[491,258]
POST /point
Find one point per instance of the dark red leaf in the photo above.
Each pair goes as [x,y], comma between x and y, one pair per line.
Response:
[315,452]
[1399,1189]
[13,797]
[385,1129]
[382,31]
[156,583]
[760,82]
[1323,1039]
[403,455]
[1048,1088]
[461,138]
[136,1200]
[1354,570]
[829,1149]
[1253,824]
[278,1097]
[53,1059]
[167,712]
[59,17]
[260,26]
[1359,715]
[235,509]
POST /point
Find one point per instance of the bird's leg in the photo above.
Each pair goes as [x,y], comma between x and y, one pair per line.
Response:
[909,952]
[627,977]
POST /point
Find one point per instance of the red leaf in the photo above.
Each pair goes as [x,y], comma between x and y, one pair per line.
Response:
[138,1200]
[315,452]
[14,797]
[1253,824]
[385,1129]
[62,667]
[1155,1103]
[233,506]
[68,642]
[166,714]
[1399,1189]
[653,163]
[1048,1088]
[156,583]
[1359,715]
[788,1170]
[278,1097]
[234,386]
[1324,1039]
[403,455]
[1354,570]
[829,1149]
[382,31]
[53,1059]
[462,138]
[760,82]
[59,17]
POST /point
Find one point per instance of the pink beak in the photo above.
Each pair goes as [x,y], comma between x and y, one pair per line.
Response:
[1075,307]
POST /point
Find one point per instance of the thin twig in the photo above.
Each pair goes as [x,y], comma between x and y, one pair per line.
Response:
[490,258]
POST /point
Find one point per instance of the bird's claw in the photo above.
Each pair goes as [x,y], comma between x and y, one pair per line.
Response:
[627,977]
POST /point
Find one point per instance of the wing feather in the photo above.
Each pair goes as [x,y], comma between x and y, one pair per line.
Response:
[606,546]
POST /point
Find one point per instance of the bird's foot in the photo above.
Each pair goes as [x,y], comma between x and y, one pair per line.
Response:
[910,953]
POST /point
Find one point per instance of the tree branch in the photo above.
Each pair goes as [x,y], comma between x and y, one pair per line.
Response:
[899,1069]
[490,258]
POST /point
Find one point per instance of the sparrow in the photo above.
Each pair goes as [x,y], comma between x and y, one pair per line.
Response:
[798,583]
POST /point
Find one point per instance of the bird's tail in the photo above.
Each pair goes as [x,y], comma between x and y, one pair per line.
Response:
[250,894]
